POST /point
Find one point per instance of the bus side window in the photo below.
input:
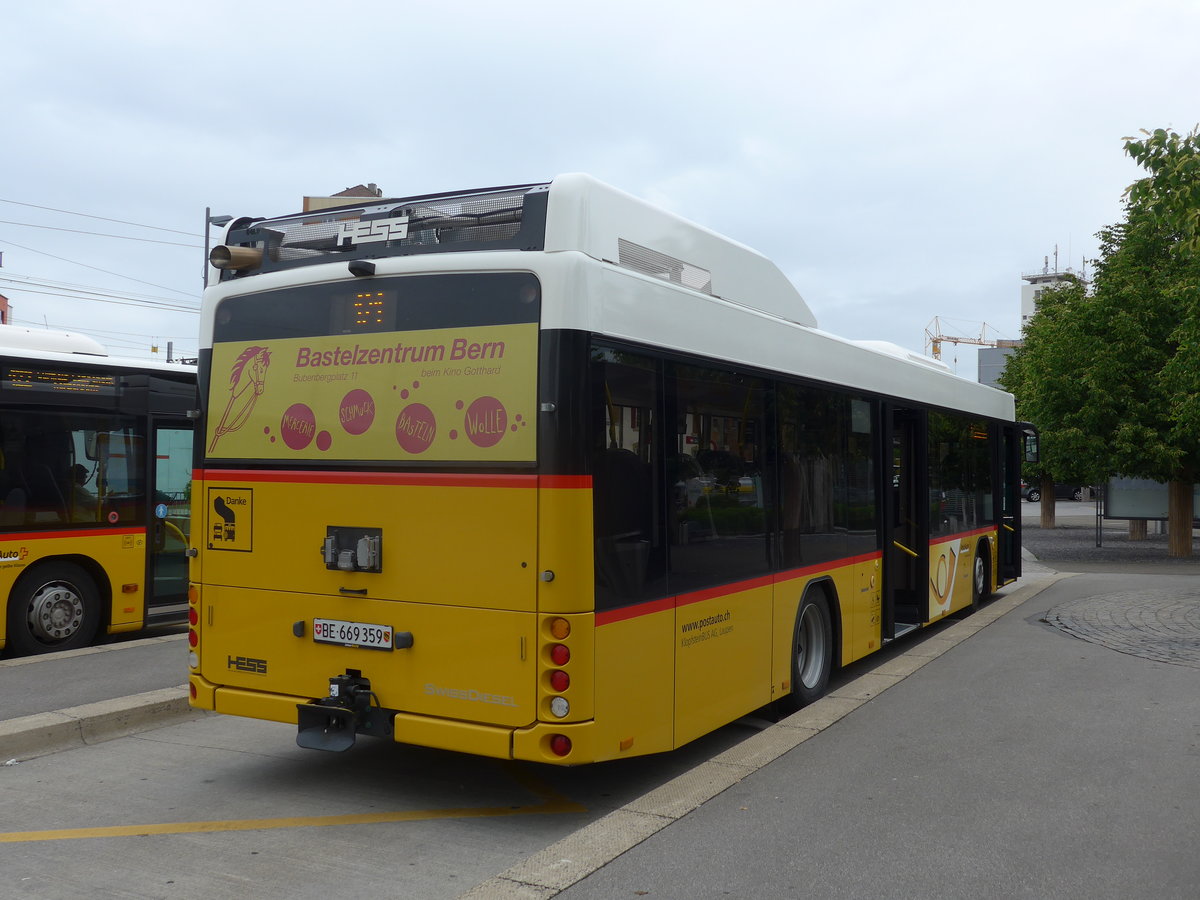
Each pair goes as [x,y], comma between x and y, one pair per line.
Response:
[628,558]
[13,511]
[46,470]
[719,521]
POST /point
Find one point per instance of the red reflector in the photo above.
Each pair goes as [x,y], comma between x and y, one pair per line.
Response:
[560,745]
[192,690]
[193,616]
[560,654]
[193,638]
[560,680]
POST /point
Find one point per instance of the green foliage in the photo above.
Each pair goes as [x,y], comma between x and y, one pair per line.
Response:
[1112,377]
[1045,375]
[1171,192]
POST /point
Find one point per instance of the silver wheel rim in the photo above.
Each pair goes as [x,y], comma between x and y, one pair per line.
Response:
[55,612]
[811,647]
[979,575]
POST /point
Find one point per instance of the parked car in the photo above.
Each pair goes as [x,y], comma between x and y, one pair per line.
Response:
[1033,492]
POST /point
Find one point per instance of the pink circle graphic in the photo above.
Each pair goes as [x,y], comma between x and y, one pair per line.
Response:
[415,428]
[485,421]
[357,411]
[324,441]
[298,426]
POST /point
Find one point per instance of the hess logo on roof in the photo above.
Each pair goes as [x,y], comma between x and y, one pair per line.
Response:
[373,231]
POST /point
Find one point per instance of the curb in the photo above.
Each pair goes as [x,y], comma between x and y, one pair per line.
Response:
[89,651]
[568,861]
[41,734]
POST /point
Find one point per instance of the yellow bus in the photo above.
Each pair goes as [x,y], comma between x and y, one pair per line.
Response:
[544,472]
[95,464]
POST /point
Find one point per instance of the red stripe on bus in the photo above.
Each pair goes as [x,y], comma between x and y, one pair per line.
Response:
[817,568]
[608,616]
[82,532]
[723,591]
[423,479]
[988,529]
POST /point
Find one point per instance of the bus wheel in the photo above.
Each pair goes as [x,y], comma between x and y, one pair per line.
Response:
[54,606]
[981,577]
[812,650]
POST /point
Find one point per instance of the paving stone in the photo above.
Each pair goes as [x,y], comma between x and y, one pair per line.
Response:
[1160,625]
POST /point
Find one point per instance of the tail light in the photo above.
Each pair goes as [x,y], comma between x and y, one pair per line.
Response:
[193,627]
[556,631]
[560,744]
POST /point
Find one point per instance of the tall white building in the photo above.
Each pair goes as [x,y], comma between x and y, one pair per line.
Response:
[992,360]
[1036,282]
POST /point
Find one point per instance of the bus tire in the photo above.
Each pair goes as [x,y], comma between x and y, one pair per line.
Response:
[812,650]
[53,606]
[981,576]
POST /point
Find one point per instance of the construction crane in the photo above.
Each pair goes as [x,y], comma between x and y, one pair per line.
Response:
[935,336]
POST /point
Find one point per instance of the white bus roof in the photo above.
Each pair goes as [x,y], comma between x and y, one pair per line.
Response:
[15,337]
[71,347]
[608,224]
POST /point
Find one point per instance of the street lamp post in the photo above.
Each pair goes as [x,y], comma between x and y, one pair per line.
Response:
[210,220]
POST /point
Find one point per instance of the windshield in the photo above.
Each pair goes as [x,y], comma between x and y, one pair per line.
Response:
[416,370]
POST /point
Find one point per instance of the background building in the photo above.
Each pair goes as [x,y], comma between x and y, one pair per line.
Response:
[992,360]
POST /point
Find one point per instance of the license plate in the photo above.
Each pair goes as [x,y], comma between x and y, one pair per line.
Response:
[352,634]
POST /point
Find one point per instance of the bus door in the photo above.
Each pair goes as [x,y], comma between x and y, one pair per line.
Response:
[170,528]
[906,523]
[1012,451]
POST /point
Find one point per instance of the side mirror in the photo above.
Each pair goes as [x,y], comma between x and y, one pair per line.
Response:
[1030,440]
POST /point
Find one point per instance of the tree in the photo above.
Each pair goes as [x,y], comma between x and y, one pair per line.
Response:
[1170,194]
[1112,378]
[1044,376]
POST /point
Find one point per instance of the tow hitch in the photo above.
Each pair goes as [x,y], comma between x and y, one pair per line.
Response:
[351,708]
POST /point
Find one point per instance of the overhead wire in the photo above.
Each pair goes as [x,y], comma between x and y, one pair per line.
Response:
[120,237]
[101,218]
[143,304]
[73,262]
[16,280]
[69,291]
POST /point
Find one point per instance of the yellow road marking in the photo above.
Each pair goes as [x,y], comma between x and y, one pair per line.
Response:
[552,804]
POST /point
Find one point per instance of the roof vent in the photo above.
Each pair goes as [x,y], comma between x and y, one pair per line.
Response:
[660,265]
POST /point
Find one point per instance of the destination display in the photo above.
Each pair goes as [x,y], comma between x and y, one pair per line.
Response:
[58,381]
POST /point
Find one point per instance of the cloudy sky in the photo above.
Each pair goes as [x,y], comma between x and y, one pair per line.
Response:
[897,161]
